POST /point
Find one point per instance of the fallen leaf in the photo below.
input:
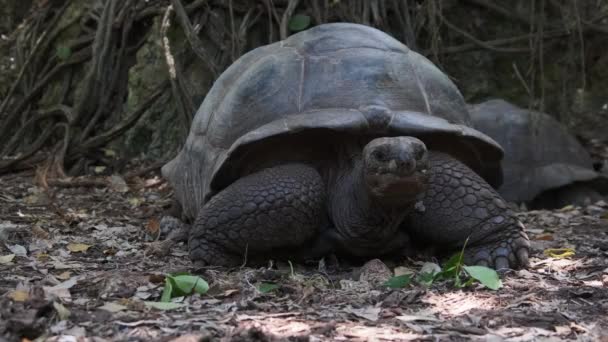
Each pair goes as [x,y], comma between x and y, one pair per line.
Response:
[402,270]
[485,275]
[7,259]
[19,295]
[153,227]
[228,293]
[398,282]
[99,169]
[109,152]
[78,247]
[61,290]
[559,253]
[430,268]
[370,313]
[164,305]
[18,250]
[40,233]
[413,318]
[135,202]
[545,237]
[64,275]
[118,184]
[62,311]
[42,256]
[112,307]
[267,287]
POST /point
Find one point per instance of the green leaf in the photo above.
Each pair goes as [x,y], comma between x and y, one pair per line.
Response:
[451,268]
[486,276]
[164,305]
[428,273]
[299,22]
[63,52]
[399,282]
[184,285]
[425,278]
[267,287]
[167,291]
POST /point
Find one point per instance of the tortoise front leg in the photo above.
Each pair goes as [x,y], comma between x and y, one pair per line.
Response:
[280,209]
[459,205]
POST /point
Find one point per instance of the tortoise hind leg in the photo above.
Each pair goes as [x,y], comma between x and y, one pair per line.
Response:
[279,208]
[460,205]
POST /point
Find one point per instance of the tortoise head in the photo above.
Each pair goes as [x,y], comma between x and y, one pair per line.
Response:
[395,169]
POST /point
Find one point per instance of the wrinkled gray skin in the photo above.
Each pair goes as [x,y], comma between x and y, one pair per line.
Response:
[544,165]
[340,140]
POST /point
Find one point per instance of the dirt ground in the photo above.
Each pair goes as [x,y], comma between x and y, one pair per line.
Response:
[74,266]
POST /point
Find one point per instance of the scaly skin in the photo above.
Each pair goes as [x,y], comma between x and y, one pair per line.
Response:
[459,205]
[284,209]
[277,208]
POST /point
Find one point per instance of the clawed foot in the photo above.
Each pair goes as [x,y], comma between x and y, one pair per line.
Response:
[510,253]
[176,231]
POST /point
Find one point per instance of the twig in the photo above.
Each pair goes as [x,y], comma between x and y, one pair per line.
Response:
[117,130]
[521,79]
[195,43]
[180,105]
[479,42]
[291,7]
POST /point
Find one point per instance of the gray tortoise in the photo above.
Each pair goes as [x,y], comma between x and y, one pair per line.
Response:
[544,165]
[340,140]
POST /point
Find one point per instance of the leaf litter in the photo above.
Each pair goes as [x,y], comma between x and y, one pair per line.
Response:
[73,267]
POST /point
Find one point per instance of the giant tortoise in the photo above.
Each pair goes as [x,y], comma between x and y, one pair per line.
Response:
[544,165]
[340,140]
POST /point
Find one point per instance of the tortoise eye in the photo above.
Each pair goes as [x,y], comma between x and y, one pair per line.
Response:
[379,155]
[419,153]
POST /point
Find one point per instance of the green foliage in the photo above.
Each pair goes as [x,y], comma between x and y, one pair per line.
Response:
[486,276]
[299,22]
[267,287]
[63,52]
[178,285]
[454,270]
[399,282]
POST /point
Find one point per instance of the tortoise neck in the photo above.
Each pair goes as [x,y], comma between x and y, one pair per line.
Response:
[358,216]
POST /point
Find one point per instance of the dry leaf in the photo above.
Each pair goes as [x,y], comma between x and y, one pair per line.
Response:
[6,259]
[544,237]
[61,290]
[112,307]
[559,253]
[99,169]
[18,250]
[402,270]
[135,202]
[62,311]
[153,227]
[78,247]
[39,232]
[370,313]
[65,275]
[412,318]
[118,184]
[19,295]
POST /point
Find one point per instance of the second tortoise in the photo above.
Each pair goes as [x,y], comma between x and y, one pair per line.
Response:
[544,165]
